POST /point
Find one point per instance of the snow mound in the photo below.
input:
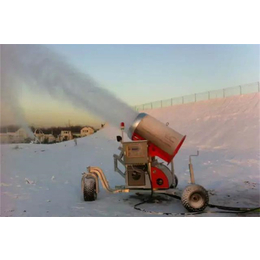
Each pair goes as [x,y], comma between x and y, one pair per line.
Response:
[44,180]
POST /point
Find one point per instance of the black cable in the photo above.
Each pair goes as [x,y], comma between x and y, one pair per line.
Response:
[232,209]
[227,209]
[239,210]
[149,199]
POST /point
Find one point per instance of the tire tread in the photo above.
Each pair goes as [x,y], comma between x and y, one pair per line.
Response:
[89,190]
[188,191]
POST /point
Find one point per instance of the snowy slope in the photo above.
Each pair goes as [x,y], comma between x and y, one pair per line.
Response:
[225,131]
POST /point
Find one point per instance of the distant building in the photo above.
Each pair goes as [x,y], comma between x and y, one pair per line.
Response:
[44,138]
[50,138]
[65,135]
[19,136]
[87,130]
[6,138]
[39,135]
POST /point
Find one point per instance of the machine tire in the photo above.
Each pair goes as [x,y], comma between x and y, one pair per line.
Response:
[176,182]
[89,189]
[195,198]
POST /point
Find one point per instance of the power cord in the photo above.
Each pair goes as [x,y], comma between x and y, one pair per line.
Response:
[149,199]
[226,209]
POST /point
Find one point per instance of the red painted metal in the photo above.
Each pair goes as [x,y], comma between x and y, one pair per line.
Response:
[153,150]
[159,174]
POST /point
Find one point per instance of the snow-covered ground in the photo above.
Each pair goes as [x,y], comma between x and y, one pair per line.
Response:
[44,180]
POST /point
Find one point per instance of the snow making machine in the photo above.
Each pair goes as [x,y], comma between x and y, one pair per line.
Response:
[151,141]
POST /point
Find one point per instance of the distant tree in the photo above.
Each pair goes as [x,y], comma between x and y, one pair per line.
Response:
[28,140]
[9,128]
[45,141]
[33,128]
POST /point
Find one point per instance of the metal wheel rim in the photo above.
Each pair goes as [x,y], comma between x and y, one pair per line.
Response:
[196,200]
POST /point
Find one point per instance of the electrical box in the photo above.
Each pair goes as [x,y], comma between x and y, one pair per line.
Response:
[135,152]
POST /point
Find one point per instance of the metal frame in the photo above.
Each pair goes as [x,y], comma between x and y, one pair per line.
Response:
[118,158]
[172,170]
[98,174]
[192,178]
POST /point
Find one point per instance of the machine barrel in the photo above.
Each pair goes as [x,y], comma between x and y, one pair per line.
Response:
[167,140]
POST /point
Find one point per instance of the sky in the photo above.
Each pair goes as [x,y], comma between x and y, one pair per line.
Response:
[139,74]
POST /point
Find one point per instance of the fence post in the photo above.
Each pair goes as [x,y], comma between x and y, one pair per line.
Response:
[139,107]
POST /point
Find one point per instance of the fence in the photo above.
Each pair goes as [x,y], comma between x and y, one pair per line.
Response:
[221,93]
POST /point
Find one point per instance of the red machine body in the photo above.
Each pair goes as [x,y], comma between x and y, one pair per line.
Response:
[142,170]
[159,179]
[153,150]
[163,142]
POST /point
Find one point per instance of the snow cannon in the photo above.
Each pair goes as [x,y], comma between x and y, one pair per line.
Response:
[139,166]
[164,141]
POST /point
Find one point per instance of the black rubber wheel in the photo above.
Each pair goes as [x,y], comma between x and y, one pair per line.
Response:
[195,198]
[175,184]
[89,189]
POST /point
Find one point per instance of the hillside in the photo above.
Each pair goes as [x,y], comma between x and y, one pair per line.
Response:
[225,131]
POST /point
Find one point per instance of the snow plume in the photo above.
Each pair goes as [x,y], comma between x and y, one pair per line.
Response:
[9,95]
[43,70]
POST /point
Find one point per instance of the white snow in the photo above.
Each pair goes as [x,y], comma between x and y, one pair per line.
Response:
[44,180]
